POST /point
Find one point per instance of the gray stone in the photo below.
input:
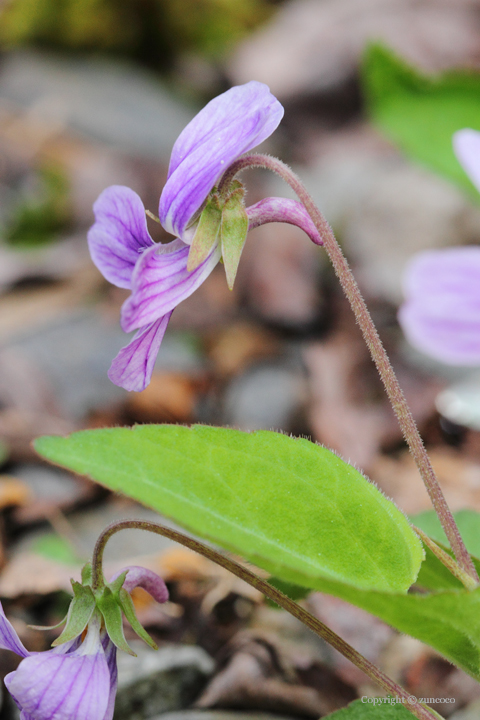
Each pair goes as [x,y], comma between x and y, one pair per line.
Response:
[219,715]
[267,396]
[472,712]
[113,102]
[311,46]
[74,355]
[460,402]
[160,681]
[48,483]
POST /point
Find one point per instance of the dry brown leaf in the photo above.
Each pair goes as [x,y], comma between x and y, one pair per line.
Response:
[13,492]
[182,565]
[257,675]
[400,480]
[170,397]
[238,345]
[367,634]
[32,574]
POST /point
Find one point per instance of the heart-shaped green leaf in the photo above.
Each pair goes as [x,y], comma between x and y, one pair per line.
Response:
[288,505]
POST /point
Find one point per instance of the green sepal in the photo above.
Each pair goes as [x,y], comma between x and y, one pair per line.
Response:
[116,585]
[87,574]
[79,613]
[206,233]
[233,232]
[112,615]
[42,628]
[126,603]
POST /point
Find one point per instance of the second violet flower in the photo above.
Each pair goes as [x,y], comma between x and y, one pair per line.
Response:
[208,224]
[441,313]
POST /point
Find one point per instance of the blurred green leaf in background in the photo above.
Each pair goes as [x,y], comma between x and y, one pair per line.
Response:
[420,113]
[42,214]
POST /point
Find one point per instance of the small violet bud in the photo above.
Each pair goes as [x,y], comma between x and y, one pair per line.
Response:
[77,679]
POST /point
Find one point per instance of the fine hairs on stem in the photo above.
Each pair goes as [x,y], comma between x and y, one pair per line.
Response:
[420,711]
[372,339]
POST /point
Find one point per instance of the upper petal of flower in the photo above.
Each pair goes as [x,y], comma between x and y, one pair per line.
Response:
[161,281]
[466,144]
[71,686]
[119,234]
[441,315]
[9,639]
[230,125]
[148,580]
[133,366]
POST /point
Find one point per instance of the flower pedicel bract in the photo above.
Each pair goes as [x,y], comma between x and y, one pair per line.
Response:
[77,680]
[209,224]
[441,314]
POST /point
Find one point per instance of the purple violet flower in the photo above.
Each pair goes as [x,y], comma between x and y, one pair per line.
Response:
[441,313]
[78,679]
[157,275]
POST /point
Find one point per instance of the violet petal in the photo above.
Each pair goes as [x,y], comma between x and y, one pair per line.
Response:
[230,125]
[466,144]
[273,209]
[111,658]
[133,366]
[146,579]
[119,234]
[9,639]
[74,686]
[161,281]
[441,315]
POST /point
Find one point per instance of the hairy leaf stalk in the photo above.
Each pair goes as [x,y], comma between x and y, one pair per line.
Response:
[377,351]
[420,711]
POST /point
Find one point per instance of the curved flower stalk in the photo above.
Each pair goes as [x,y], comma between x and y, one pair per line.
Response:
[441,313]
[77,680]
[209,224]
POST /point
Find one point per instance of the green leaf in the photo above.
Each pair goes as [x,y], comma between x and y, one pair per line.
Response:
[288,505]
[421,113]
[449,621]
[57,548]
[294,592]
[434,575]
[468,522]
[385,709]
[79,613]
[206,234]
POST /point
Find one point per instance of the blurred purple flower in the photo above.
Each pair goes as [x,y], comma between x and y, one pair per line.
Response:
[441,313]
[76,680]
[157,275]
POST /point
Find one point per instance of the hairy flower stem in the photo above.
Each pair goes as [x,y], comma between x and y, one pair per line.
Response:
[420,711]
[370,334]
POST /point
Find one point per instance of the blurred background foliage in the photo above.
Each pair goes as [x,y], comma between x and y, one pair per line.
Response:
[43,211]
[151,31]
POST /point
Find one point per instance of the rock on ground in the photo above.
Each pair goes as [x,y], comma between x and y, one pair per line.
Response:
[159,681]
[311,47]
